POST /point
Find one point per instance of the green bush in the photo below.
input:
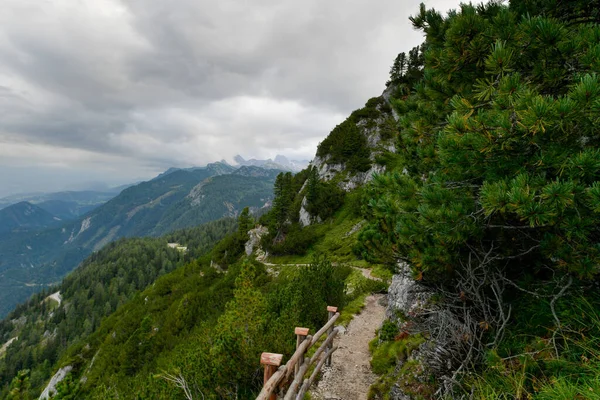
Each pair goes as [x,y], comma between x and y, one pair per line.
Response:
[326,199]
[388,331]
[387,354]
[294,240]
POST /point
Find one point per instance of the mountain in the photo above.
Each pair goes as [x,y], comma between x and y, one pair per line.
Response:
[293,165]
[220,168]
[220,196]
[193,317]
[25,216]
[182,198]
[280,163]
[66,210]
[198,308]
[82,198]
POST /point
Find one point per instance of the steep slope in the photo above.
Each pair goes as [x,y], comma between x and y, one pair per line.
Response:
[347,159]
[26,217]
[67,210]
[180,199]
[488,215]
[350,155]
[206,325]
[220,196]
[133,212]
[39,331]
[492,213]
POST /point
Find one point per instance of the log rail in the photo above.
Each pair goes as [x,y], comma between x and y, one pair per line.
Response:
[277,377]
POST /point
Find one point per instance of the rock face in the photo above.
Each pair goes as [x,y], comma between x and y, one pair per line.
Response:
[348,181]
[5,345]
[253,244]
[56,379]
[405,295]
[305,217]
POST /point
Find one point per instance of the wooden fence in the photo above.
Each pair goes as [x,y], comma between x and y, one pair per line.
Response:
[277,377]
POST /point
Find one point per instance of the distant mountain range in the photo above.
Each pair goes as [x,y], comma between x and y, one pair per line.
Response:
[40,243]
[280,162]
[64,205]
[26,216]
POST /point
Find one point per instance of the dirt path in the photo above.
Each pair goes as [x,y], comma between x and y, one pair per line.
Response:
[367,273]
[350,376]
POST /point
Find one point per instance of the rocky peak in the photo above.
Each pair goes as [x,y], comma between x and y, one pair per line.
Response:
[375,122]
[255,172]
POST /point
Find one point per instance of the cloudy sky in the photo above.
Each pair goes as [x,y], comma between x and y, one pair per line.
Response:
[119,90]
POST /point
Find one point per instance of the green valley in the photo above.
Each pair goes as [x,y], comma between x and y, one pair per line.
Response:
[33,259]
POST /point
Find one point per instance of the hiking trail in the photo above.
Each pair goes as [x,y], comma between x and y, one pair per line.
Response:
[350,376]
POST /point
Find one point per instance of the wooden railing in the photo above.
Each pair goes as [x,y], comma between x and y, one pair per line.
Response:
[277,377]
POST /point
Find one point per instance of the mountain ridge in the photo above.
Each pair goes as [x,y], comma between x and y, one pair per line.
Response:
[82,197]
[150,208]
[26,217]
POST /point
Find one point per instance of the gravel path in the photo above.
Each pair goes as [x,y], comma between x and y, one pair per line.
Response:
[350,376]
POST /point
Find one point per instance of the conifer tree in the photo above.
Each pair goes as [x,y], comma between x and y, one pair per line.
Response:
[245,223]
[19,386]
[501,166]
[504,144]
[312,191]
[398,69]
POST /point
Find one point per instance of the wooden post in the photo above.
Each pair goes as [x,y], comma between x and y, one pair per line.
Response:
[332,311]
[301,334]
[271,361]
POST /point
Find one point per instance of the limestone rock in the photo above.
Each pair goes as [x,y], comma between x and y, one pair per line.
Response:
[253,243]
[405,294]
[56,379]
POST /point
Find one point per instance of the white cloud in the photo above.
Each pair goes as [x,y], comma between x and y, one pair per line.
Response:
[149,84]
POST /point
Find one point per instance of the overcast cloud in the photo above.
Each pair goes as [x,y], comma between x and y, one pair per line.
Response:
[118,90]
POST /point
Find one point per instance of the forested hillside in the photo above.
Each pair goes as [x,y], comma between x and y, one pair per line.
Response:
[31,260]
[45,327]
[26,217]
[209,319]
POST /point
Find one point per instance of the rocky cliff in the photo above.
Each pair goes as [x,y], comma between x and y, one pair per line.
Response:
[374,122]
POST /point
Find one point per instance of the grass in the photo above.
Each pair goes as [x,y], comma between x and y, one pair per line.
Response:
[390,361]
[385,355]
[351,309]
[358,288]
[382,272]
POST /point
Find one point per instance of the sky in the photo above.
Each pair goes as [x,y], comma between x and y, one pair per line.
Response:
[116,91]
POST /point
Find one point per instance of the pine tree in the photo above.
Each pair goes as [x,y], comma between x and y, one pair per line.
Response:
[504,144]
[245,223]
[398,69]
[312,191]
[19,387]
